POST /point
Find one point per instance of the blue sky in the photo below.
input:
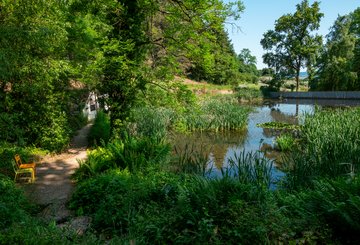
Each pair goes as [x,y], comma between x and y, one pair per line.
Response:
[260,15]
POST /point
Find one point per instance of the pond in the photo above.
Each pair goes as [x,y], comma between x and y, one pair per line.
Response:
[223,146]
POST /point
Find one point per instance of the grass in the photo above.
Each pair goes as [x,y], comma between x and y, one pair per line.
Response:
[329,147]
[217,114]
[248,94]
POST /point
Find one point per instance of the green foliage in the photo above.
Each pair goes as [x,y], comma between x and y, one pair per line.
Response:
[285,142]
[35,71]
[133,154]
[329,147]
[250,168]
[337,66]
[18,226]
[169,208]
[291,46]
[13,204]
[151,122]
[248,93]
[331,205]
[191,161]
[100,130]
[217,114]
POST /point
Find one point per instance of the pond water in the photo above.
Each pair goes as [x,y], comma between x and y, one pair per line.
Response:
[222,146]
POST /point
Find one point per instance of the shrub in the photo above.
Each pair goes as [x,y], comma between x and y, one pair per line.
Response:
[134,154]
[100,131]
[165,208]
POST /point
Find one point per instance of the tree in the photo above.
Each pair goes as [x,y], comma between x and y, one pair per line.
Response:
[33,73]
[291,46]
[335,68]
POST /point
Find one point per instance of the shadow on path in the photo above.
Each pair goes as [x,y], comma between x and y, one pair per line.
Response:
[53,186]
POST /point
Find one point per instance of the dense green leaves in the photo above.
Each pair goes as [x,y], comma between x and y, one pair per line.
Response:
[291,45]
[338,68]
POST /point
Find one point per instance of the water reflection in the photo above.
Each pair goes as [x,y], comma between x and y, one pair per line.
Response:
[222,146]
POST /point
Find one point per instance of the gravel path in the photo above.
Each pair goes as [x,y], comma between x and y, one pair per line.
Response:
[53,186]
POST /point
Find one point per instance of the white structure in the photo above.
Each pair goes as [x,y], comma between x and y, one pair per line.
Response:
[91,106]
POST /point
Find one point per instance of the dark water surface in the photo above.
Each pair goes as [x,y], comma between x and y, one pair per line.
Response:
[224,145]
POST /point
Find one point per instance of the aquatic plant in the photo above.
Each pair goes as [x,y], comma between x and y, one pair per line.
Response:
[217,115]
[191,161]
[330,147]
[151,122]
[285,142]
[250,168]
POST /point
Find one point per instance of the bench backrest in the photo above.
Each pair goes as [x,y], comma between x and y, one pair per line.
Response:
[15,165]
[18,160]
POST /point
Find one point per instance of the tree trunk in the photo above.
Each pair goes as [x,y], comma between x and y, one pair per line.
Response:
[297,78]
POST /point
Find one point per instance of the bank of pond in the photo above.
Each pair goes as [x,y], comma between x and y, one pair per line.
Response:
[221,173]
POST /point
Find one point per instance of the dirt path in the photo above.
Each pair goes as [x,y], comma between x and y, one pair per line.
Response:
[53,186]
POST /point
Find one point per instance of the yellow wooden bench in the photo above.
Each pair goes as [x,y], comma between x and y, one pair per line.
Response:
[23,168]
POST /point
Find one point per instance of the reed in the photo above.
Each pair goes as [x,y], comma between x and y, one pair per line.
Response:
[330,147]
[191,161]
[250,168]
[151,122]
[217,115]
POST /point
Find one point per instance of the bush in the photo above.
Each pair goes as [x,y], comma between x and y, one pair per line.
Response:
[130,153]
[167,208]
[100,131]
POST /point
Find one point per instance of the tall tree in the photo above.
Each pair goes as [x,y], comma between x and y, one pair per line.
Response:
[335,68]
[33,73]
[292,45]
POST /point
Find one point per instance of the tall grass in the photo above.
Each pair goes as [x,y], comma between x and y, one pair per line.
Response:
[330,147]
[249,94]
[250,168]
[212,114]
[191,161]
[151,122]
[217,115]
